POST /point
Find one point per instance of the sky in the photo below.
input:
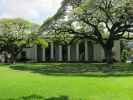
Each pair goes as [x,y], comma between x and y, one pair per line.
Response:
[35,10]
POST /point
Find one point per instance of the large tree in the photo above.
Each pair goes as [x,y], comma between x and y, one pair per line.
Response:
[17,34]
[103,21]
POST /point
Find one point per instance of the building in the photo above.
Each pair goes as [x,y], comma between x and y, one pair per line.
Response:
[82,51]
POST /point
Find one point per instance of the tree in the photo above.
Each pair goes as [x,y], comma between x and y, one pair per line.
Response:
[103,21]
[17,34]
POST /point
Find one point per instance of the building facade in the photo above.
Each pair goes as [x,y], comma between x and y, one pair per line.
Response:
[82,51]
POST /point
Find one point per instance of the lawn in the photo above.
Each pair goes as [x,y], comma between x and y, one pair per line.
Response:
[65,82]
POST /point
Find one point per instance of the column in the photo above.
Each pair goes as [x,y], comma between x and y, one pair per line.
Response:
[97,52]
[86,50]
[60,52]
[52,51]
[77,51]
[44,54]
[35,51]
[68,53]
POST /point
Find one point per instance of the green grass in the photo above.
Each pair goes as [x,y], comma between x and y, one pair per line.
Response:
[31,85]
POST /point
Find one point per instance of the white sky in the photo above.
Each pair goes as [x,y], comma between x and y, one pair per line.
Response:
[35,10]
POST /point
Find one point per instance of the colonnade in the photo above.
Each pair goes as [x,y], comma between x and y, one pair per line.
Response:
[69,53]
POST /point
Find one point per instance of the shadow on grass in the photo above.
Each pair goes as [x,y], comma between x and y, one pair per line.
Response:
[4,65]
[37,97]
[88,70]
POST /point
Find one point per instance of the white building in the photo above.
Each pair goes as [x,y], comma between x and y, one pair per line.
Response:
[83,51]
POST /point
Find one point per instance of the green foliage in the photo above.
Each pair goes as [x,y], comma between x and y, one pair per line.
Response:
[103,21]
[124,55]
[84,6]
[51,20]
[41,41]
[101,13]
[17,34]
[125,50]
[59,37]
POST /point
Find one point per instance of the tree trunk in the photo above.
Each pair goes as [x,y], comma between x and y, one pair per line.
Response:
[108,59]
[108,55]
[12,60]
[14,54]
[6,57]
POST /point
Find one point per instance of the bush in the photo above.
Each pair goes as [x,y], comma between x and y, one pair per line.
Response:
[124,55]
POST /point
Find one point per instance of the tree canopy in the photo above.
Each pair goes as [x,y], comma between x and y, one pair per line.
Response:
[103,21]
[17,34]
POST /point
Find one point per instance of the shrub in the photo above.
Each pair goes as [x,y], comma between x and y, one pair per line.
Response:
[124,55]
